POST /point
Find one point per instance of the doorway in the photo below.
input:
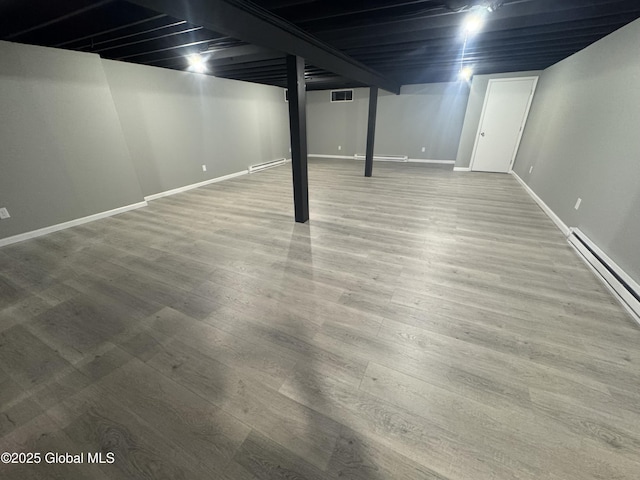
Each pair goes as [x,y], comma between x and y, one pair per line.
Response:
[504,114]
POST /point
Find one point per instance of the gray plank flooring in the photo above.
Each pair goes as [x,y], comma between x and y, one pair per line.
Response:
[424,324]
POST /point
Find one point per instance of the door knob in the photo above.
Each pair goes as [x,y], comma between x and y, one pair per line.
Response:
[482,134]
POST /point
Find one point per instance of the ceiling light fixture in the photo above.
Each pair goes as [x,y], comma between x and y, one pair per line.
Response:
[473,23]
[466,73]
[197,63]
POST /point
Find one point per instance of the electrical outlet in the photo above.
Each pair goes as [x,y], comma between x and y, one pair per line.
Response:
[204,168]
[339,147]
[424,149]
[578,204]
[531,169]
[4,214]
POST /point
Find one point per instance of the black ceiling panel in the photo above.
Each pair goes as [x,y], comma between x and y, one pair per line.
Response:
[409,41]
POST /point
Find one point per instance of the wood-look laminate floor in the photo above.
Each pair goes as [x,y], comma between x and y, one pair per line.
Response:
[424,324]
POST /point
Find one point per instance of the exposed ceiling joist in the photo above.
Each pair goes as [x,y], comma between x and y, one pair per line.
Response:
[61,18]
[525,15]
[250,23]
[218,58]
[112,30]
[409,41]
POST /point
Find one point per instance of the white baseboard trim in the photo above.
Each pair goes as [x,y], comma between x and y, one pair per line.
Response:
[71,223]
[155,196]
[545,208]
[317,155]
[383,158]
[461,169]
[409,160]
[440,162]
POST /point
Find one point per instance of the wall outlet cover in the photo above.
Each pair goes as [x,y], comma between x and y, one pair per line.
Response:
[4,214]
[424,148]
[578,204]
[339,147]
[531,169]
[204,168]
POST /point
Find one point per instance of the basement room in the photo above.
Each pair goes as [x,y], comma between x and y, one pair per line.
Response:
[304,239]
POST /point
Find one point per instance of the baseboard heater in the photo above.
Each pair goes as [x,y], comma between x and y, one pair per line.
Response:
[621,284]
[384,158]
[265,165]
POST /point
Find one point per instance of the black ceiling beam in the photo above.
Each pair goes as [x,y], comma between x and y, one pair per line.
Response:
[248,22]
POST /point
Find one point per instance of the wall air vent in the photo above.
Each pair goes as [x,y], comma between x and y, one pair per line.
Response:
[618,281]
[341,96]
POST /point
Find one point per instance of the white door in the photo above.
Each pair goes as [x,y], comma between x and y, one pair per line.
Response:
[504,115]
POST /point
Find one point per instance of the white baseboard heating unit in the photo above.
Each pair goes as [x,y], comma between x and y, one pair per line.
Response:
[265,165]
[384,158]
[621,284]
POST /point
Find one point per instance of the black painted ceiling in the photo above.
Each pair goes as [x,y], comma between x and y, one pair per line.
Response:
[411,41]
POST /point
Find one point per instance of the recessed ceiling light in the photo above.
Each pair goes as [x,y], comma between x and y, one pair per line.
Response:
[197,63]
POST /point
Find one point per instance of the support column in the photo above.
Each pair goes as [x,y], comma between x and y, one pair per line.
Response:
[371,131]
[298,129]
